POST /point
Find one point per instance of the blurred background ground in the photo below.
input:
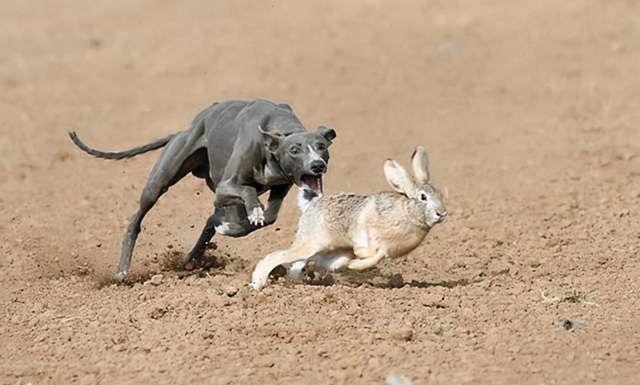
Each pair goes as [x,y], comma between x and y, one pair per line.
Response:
[529,111]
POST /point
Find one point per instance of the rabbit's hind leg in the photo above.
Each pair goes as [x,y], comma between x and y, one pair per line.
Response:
[297,253]
[365,261]
[265,266]
[321,263]
[331,262]
[297,270]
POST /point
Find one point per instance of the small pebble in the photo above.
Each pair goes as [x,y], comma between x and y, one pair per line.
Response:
[158,312]
[207,335]
[396,281]
[156,279]
[395,379]
[572,324]
[231,291]
[403,333]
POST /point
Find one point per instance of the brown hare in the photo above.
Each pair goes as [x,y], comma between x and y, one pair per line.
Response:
[357,231]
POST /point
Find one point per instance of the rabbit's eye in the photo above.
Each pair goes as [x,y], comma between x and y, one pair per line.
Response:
[423,196]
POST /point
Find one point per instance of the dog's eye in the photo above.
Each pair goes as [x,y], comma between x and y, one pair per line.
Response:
[295,150]
[321,146]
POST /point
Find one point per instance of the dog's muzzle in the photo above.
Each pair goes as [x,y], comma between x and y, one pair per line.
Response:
[318,166]
[312,182]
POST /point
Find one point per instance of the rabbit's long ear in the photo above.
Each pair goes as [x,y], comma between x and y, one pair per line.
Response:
[398,178]
[420,163]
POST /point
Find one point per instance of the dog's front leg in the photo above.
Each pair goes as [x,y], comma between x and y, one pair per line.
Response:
[276,197]
[228,193]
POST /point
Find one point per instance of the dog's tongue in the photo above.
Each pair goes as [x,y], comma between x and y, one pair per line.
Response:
[313,182]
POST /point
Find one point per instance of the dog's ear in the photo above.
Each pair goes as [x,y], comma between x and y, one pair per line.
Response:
[328,133]
[420,163]
[271,141]
[398,178]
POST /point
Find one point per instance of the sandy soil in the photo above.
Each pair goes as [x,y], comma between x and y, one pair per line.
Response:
[529,111]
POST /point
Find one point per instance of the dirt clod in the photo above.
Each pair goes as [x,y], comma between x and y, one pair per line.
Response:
[207,335]
[402,333]
[158,312]
[396,379]
[156,280]
[230,291]
[396,281]
[572,324]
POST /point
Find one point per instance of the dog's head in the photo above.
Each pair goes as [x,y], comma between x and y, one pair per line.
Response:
[302,156]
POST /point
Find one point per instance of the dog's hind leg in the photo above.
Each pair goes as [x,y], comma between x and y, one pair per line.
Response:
[179,158]
[148,198]
[209,229]
[214,221]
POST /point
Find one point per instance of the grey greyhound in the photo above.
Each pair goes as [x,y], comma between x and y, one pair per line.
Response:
[242,149]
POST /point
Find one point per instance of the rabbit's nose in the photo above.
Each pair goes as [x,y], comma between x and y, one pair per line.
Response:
[441,216]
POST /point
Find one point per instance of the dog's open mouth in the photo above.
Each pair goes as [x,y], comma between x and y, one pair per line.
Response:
[312,182]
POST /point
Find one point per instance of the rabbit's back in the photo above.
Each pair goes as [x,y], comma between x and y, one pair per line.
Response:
[386,220]
[332,216]
[341,211]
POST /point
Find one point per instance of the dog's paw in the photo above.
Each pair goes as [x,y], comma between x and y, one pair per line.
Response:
[120,276]
[256,217]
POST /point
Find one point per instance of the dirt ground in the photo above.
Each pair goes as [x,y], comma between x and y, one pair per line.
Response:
[529,111]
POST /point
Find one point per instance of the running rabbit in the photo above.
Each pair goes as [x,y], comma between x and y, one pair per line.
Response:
[358,231]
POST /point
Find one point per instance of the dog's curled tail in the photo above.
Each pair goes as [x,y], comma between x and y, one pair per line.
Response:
[305,197]
[122,154]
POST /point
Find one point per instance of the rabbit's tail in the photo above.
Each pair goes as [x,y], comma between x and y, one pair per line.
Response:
[305,197]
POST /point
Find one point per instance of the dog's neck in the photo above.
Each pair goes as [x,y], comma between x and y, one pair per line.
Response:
[272,173]
[273,163]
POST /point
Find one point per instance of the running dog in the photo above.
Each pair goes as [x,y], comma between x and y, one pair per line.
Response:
[242,149]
